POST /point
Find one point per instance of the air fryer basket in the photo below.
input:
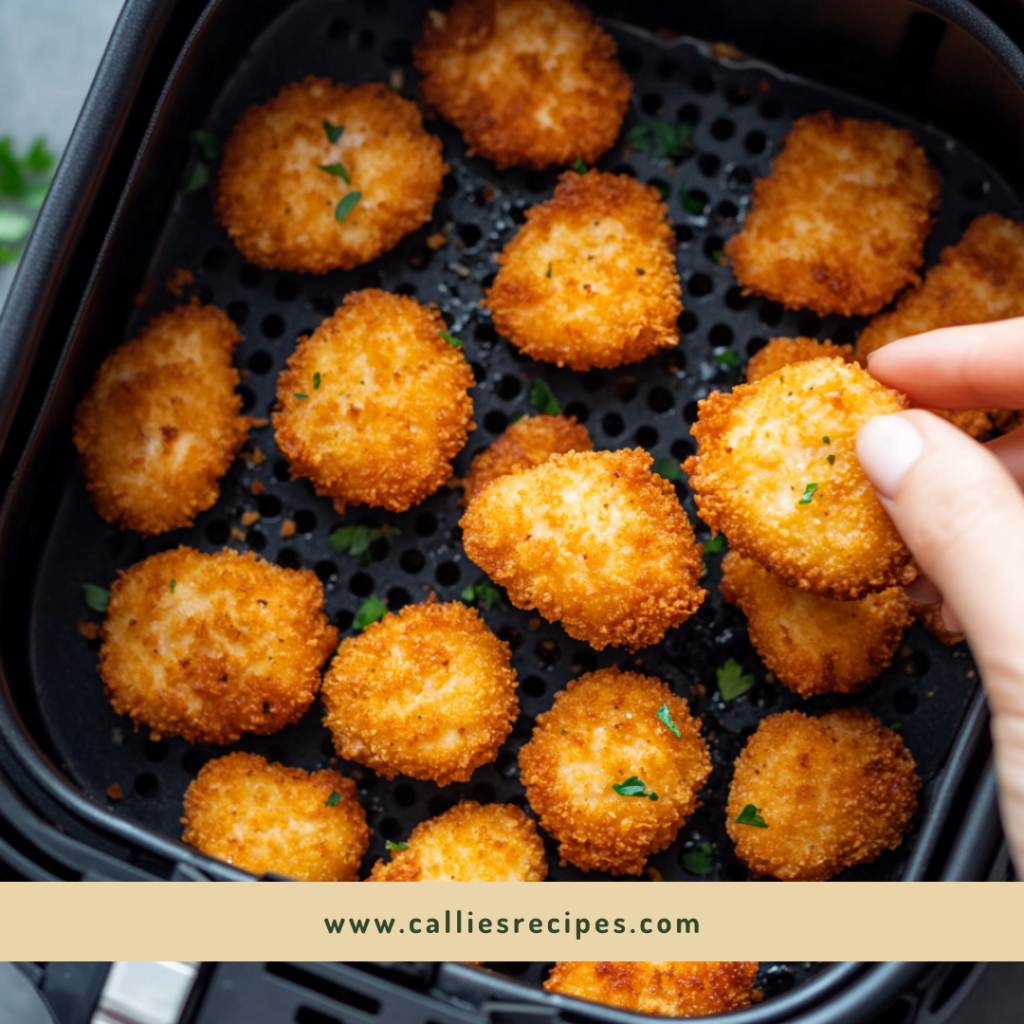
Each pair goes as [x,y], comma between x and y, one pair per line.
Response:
[62,745]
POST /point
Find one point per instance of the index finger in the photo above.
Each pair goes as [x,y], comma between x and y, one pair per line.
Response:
[978,366]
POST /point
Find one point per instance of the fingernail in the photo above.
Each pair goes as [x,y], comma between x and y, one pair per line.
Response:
[887,447]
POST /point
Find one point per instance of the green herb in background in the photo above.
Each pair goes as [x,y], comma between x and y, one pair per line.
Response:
[751,815]
[370,611]
[346,205]
[542,398]
[808,494]
[727,357]
[395,846]
[663,190]
[634,787]
[209,153]
[200,177]
[333,800]
[713,545]
[579,167]
[665,717]
[483,592]
[691,204]
[450,338]
[669,469]
[333,131]
[732,682]
[356,540]
[718,256]
[24,182]
[97,599]
[663,138]
[699,860]
[896,727]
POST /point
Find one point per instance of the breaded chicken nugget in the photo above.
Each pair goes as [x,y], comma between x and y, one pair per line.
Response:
[777,471]
[469,843]
[590,279]
[613,769]
[265,817]
[593,540]
[833,791]
[526,443]
[813,643]
[374,404]
[326,176]
[661,988]
[978,280]
[211,646]
[930,616]
[780,352]
[160,424]
[839,225]
[528,82]
[428,692]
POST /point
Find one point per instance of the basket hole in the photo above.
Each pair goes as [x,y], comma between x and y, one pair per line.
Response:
[579,410]
[740,179]
[627,169]
[485,332]
[260,362]
[288,558]
[255,539]
[537,181]
[250,275]
[218,532]
[343,620]
[689,113]
[286,289]
[722,129]
[534,686]
[702,84]
[684,234]
[688,321]
[469,233]
[272,326]
[405,289]
[660,400]
[412,561]
[646,437]
[323,303]
[735,299]
[215,259]
[755,142]
[976,189]
[239,312]
[495,422]
[305,521]
[592,380]
[844,335]
[917,664]
[192,761]
[727,209]
[524,726]
[626,389]
[390,828]
[771,313]
[667,70]
[155,751]
[447,574]
[700,197]
[700,285]
[369,279]
[720,335]
[548,652]
[146,785]
[612,424]
[439,804]
[404,795]
[682,449]
[771,109]
[755,345]
[709,164]
[511,636]
[366,40]
[339,28]
[737,94]
[904,701]
[483,793]
[361,584]
[281,470]
[662,186]
[326,571]
[509,387]
[248,397]
[398,597]
[690,411]
[269,506]
[397,53]
[809,324]
[426,524]
[518,214]
[479,373]
[651,102]
[631,60]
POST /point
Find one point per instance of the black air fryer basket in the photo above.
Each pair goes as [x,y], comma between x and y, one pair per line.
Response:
[120,220]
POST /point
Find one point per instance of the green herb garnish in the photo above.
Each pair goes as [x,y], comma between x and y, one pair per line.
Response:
[346,205]
[548,274]
[808,494]
[483,592]
[333,131]
[751,815]
[634,787]
[579,167]
[356,540]
[200,177]
[663,190]
[338,170]
[97,599]
[713,545]
[395,846]
[691,204]
[317,380]
[450,338]
[727,357]
[665,717]
[718,256]
[334,799]
[14,227]
[301,396]
[896,727]
[174,583]
[699,861]
[826,440]
[665,139]
[207,143]
[830,459]
[669,469]
[542,398]
[732,682]
[371,610]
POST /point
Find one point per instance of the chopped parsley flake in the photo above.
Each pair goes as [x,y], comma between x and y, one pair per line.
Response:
[515,417]
[548,274]
[334,799]
[808,494]
[727,357]
[301,396]
[826,440]
[333,131]
[699,860]
[356,540]
[346,205]
[751,815]
[579,167]
[207,143]
[665,717]
[665,139]
[732,682]
[371,610]
[669,469]
[542,398]
[663,190]
[830,459]
[338,170]
[713,545]
[395,846]
[483,592]
[97,599]
[317,380]
[719,257]
[691,203]
[896,727]
[200,177]
[174,583]
[450,338]
[634,787]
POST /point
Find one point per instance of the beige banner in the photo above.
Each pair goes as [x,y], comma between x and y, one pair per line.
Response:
[511,921]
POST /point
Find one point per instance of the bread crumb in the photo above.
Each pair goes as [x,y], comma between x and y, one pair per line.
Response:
[260,422]
[89,630]
[288,528]
[436,241]
[257,487]
[178,279]
[237,534]
[248,518]
[114,792]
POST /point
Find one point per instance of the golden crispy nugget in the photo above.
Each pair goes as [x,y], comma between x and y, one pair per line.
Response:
[776,470]
[212,646]
[374,404]
[605,730]
[839,225]
[160,424]
[593,540]
[661,988]
[834,791]
[780,352]
[469,843]
[813,643]
[265,817]
[428,692]
[528,82]
[930,616]
[978,280]
[280,206]
[526,443]
[590,279]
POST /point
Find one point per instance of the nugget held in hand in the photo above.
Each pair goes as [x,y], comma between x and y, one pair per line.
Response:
[830,792]
[265,817]
[326,176]
[160,425]
[840,223]
[590,279]
[428,692]
[528,82]
[813,643]
[593,540]
[526,443]
[661,988]
[776,470]
[469,843]
[374,404]
[613,769]
[780,352]
[212,646]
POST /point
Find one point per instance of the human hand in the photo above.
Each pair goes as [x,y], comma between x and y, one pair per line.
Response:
[959,507]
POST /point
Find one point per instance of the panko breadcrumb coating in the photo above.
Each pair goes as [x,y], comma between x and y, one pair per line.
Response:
[469,843]
[280,207]
[780,352]
[930,616]
[526,443]
[212,646]
[590,279]
[813,643]
[265,817]
[593,540]
[776,470]
[605,730]
[528,82]
[840,223]
[660,988]
[160,425]
[428,692]
[374,404]
[978,280]
[834,791]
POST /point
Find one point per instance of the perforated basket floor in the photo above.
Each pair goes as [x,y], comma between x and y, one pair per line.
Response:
[741,111]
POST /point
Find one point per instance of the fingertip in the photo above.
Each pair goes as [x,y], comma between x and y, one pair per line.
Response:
[887,447]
